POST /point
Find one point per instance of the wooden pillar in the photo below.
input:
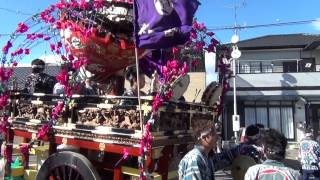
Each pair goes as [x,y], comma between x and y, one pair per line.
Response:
[164,160]
[117,175]
[9,150]
[52,142]
[25,158]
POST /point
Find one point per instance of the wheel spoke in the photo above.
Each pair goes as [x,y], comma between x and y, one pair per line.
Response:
[64,172]
[53,176]
[78,176]
[65,166]
[70,173]
[57,172]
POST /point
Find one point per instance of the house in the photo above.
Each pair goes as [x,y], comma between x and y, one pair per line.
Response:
[277,83]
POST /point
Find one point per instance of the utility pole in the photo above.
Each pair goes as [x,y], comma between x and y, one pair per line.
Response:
[235,54]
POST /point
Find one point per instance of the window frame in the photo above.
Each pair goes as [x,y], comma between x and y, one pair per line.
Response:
[269,104]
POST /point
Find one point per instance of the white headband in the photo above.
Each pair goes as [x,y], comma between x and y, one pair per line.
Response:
[204,133]
[37,66]
[309,134]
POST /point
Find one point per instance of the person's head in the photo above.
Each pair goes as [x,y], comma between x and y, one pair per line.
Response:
[274,144]
[252,133]
[131,76]
[115,85]
[37,66]
[308,132]
[205,133]
[252,130]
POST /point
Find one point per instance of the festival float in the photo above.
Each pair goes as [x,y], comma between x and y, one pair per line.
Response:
[102,139]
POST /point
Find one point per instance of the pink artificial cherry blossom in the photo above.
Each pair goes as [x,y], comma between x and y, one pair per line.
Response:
[26,51]
[22,28]
[43,131]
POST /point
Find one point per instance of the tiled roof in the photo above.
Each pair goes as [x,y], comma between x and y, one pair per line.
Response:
[279,41]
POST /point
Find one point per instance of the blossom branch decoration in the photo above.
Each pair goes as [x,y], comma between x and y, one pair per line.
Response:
[171,73]
[200,40]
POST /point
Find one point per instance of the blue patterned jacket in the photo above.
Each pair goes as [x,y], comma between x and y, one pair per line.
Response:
[309,153]
[197,165]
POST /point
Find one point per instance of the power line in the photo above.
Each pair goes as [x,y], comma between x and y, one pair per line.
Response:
[290,23]
[237,27]
[15,11]
[25,34]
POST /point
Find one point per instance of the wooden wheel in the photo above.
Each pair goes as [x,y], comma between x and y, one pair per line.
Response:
[67,165]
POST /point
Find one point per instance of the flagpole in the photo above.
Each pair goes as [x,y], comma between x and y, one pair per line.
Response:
[138,83]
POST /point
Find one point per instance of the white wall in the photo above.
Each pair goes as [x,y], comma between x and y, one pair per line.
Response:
[269,54]
[278,79]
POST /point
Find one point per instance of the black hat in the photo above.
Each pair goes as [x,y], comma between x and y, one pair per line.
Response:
[37,65]
[252,130]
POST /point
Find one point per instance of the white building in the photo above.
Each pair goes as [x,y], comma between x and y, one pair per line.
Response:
[278,83]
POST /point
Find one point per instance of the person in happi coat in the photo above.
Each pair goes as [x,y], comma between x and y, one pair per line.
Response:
[309,153]
[274,149]
[201,162]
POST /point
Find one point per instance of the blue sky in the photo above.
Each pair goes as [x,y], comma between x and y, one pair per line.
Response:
[220,13]
[9,20]
[215,13]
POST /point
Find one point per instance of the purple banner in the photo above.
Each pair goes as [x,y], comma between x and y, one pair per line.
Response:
[152,62]
[163,23]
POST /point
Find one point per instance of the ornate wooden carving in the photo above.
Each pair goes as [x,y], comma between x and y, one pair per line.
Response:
[118,118]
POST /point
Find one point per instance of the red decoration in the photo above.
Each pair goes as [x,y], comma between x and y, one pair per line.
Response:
[105,55]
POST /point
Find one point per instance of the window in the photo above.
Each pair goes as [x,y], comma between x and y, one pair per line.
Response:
[244,67]
[287,122]
[262,115]
[307,65]
[289,66]
[266,67]
[250,116]
[274,114]
[255,67]
[277,66]
[275,118]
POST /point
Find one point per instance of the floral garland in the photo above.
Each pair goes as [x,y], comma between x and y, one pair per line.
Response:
[70,85]
[172,72]
[225,73]
[200,40]
[45,33]
[53,25]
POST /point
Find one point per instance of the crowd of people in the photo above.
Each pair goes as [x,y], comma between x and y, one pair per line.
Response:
[267,145]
